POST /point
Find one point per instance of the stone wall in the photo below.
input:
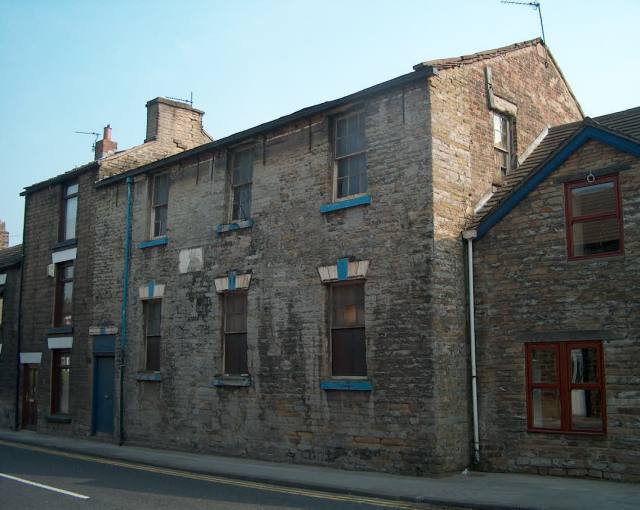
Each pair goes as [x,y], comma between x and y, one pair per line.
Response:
[43,210]
[527,290]
[284,414]
[463,171]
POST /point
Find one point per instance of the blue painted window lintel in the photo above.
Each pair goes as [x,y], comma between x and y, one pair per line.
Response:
[159,241]
[237,225]
[346,384]
[345,204]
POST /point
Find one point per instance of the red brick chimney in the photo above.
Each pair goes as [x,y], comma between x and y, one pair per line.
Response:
[106,146]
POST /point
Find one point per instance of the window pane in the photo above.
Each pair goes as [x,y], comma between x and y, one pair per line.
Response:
[348,352]
[586,410]
[235,309]
[543,366]
[153,353]
[71,213]
[502,161]
[546,408]
[242,167]
[160,220]
[594,199]
[72,189]
[67,272]
[500,132]
[235,353]
[241,202]
[63,391]
[161,189]
[352,175]
[350,135]
[67,304]
[598,236]
[153,310]
[584,365]
[348,305]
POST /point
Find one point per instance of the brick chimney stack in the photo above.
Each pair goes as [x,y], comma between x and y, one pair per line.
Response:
[106,146]
[4,236]
[174,122]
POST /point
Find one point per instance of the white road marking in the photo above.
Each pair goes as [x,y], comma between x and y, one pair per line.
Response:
[42,486]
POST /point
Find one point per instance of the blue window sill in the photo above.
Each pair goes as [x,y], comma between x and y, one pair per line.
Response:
[237,381]
[346,204]
[346,384]
[149,376]
[230,227]
[159,241]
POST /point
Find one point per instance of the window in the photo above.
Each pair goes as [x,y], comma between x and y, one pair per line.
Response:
[241,178]
[63,305]
[1,307]
[159,201]
[60,382]
[348,345]
[69,212]
[152,321]
[502,144]
[350,169]
[565,385]
[594,218]
[235,333]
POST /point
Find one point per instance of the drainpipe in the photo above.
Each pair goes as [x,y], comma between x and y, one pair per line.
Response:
[123,307]
[469,236]
[19,331]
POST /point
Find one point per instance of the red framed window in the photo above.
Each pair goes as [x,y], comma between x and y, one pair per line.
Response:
[565,387]
[594,218]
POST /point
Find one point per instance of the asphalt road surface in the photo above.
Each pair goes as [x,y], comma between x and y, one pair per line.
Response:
[34,478]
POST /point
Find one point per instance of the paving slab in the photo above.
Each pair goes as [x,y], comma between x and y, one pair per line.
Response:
[475,490]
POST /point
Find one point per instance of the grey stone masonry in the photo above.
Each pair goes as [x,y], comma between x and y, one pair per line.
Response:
[429,156]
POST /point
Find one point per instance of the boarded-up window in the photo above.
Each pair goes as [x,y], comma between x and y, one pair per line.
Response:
[350,155]
[348,343]
[594,219]
[235,333]
[241,178]
[159,205]
[152,327]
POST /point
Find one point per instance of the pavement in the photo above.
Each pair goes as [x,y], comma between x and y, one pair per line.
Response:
[475,490]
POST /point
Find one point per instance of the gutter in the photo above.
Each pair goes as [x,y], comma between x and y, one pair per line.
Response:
[469,236]
[124,302]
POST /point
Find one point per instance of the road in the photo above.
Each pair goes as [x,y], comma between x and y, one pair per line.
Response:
[35,478]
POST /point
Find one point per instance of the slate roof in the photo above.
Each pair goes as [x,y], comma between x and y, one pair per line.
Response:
[10,256]
[625,123]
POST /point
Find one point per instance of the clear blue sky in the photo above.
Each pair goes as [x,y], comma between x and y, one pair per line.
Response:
[77,65]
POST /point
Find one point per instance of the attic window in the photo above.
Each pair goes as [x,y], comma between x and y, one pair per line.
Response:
[594,218]
[502,143]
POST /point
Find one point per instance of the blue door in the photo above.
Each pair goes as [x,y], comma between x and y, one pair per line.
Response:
[103,395]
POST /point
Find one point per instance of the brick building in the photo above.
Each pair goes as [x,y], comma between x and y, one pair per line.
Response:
[296,291]
[557,265]
[56,363]
[10,262]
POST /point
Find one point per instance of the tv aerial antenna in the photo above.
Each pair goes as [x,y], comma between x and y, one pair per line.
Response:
[535,6]
[95,140]
[188,101]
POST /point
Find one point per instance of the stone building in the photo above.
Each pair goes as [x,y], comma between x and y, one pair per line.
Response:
[56,358]
[4,236]
[557,267]
[296,291]
[10,261]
